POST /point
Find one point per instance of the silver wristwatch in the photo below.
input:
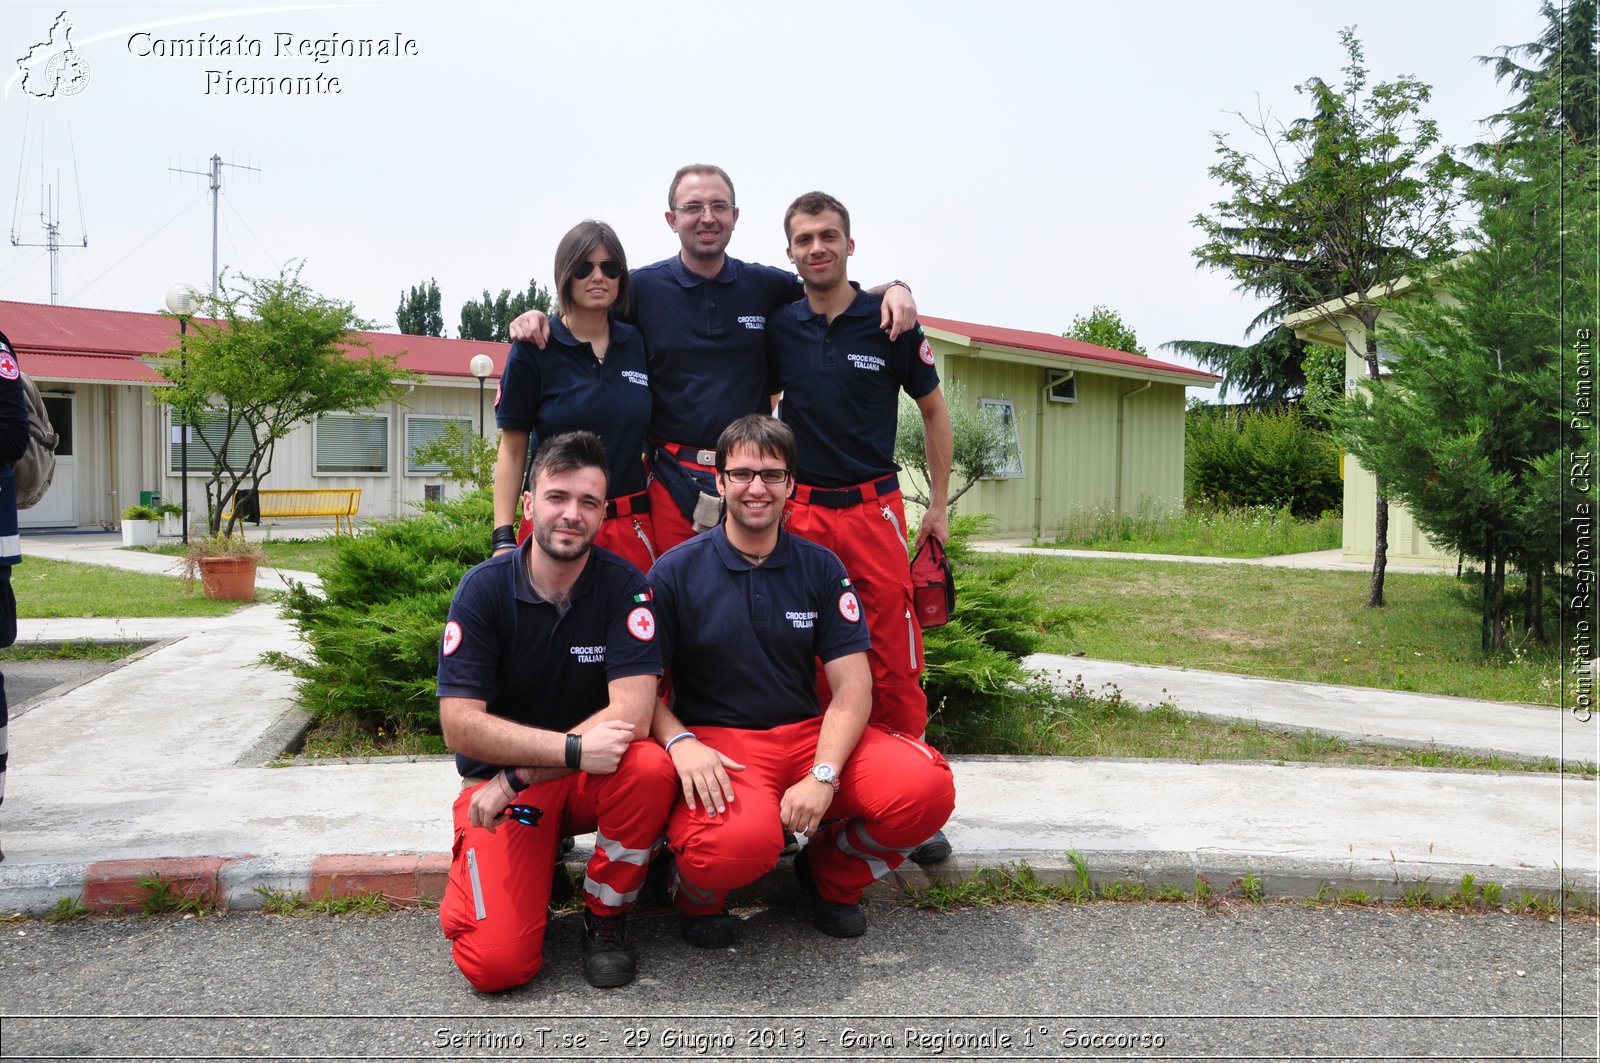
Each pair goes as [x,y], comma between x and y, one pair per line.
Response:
[825,773]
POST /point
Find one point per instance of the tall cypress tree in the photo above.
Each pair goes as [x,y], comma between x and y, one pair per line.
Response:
[1354,200]
[1473,429]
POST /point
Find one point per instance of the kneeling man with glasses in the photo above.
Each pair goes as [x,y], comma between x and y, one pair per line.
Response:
[744,612]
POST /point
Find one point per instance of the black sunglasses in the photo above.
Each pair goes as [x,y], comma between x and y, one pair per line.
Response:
[610,267]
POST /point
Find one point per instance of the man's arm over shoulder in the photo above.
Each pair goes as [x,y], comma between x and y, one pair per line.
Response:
[899,310]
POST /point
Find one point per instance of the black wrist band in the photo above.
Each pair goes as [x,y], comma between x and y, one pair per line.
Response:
[574,751]
[505,535]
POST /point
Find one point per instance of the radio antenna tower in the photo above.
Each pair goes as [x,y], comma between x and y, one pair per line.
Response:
[49,214]
[215,174]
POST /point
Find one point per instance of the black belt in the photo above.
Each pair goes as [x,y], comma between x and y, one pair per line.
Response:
[845,497]
[693,455]
[627,505]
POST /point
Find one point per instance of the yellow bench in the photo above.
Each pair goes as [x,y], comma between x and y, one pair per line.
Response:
[340,503]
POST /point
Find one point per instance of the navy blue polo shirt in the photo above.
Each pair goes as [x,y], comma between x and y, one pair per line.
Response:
[740,640]
[564,388]
[707,340]
[505,645]
[841,386]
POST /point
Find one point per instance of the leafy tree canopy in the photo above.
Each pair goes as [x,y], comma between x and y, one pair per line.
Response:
[269,355]
[983,446]
[490,318]
[418,313]
[1354,200]
[1103,327]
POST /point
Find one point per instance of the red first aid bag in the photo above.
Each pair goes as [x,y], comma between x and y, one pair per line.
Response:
[933,584]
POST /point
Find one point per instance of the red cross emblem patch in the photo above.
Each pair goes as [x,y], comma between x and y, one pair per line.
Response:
[452,638]
[642,624]
[850,606]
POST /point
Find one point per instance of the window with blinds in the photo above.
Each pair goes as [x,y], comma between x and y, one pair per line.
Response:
[212,428]
[422,429]
[352,443]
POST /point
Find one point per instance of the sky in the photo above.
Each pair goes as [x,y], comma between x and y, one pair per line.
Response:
[1016,162]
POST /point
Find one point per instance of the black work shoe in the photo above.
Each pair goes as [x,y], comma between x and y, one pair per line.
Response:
[936,850]
[609,959]
[709,931]
[832,918]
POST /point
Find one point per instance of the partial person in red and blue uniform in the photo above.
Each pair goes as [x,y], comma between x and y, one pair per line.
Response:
[592,375]
[703,315]
[13,444]
[547,680]
[745,611]
[841,378]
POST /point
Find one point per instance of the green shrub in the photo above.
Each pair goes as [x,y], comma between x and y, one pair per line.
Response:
[980,698]
[373,632]
[1201,530]
[1267,458]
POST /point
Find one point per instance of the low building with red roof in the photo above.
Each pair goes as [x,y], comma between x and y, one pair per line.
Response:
[1093,428]
[118,446]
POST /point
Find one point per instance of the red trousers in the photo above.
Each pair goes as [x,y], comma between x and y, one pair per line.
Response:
[671,527]
[497,899]
[675,483]
[870,538]
[893,793]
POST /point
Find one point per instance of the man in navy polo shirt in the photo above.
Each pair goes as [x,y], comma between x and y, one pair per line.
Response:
[841,379]
[745,611]
[703,316]
[547,678]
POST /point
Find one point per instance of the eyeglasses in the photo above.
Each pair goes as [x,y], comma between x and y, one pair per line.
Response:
[609,267]
[768,476]
[721,208]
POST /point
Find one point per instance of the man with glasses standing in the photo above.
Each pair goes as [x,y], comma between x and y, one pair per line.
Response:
[703,315]
[745,611]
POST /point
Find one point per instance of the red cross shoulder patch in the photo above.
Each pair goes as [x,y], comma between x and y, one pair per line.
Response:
[452,638]
[850,606]
[8,365]
[642,624]
[925,352]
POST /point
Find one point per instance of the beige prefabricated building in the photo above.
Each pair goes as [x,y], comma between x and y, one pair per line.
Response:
[1097,429]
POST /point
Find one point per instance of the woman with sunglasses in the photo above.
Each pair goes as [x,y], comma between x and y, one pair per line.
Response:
[591,375]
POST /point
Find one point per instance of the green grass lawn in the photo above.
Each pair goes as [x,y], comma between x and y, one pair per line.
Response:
[69,588]
[1281,623]
[301,555]
[1254,531]
[1080,723]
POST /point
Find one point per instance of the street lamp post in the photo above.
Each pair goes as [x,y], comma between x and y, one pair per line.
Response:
[183,300]
[481,365]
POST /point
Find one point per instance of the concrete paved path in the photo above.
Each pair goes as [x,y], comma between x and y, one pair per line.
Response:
[162,766]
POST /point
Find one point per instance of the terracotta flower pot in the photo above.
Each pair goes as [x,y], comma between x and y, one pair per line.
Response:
[229,578]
